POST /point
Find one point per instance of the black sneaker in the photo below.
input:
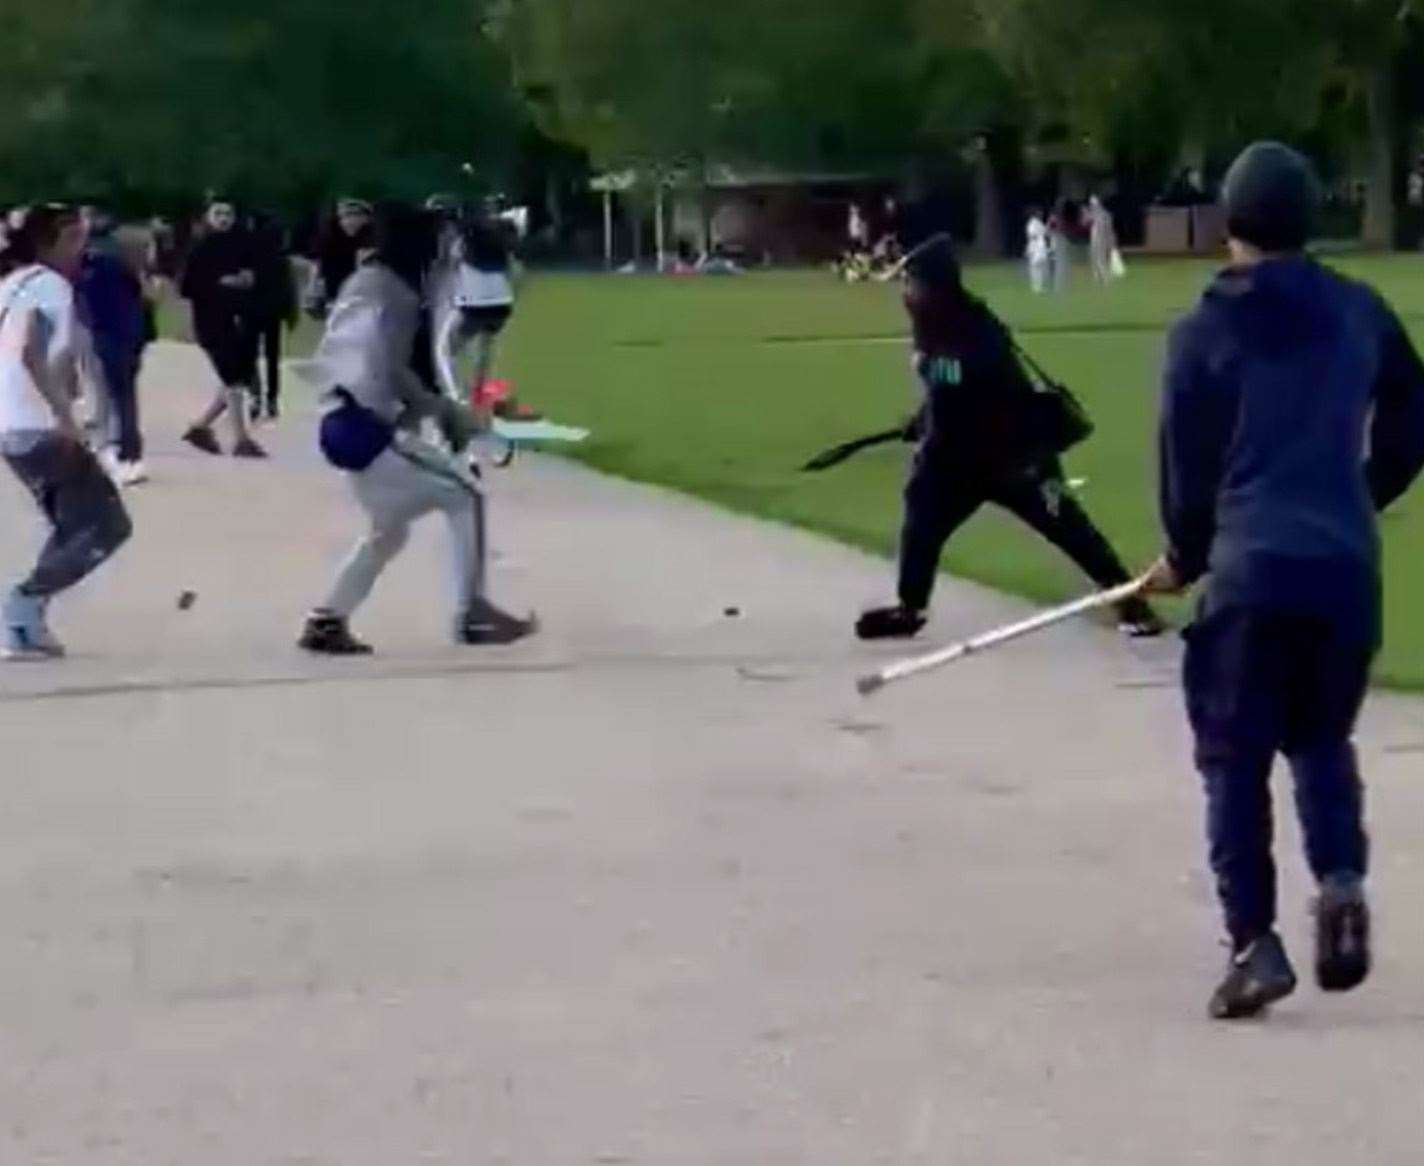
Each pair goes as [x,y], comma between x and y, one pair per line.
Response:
[1137,620]
[487,625]
[273,412]
[1258,976]
[328,635]
[201,437]
[1342,938]
[247,448]
[890,623]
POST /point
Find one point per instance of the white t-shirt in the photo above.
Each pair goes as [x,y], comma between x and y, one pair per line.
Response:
[30,291]
[1037,239]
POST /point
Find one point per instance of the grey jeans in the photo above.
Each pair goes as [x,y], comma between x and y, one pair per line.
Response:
[408,481]
[88,520]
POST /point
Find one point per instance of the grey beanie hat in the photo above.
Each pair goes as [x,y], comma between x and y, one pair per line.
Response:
[1271,195]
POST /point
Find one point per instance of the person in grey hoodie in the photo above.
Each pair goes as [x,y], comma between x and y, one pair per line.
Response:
[371,432]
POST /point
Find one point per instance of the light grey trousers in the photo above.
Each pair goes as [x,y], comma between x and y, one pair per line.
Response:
[410,480]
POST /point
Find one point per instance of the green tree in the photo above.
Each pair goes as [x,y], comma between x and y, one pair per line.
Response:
[277,100]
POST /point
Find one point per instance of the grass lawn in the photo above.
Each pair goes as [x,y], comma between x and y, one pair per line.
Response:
[722,387]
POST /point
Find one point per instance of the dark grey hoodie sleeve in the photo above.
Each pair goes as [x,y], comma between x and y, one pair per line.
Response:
[1197,423]
[1397,433]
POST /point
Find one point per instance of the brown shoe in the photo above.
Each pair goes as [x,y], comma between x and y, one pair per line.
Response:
[201,437]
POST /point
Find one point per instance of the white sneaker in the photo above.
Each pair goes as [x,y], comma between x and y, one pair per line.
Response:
[109,459]
[132,473]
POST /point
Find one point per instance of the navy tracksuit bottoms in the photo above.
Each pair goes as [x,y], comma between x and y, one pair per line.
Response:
[1259,683]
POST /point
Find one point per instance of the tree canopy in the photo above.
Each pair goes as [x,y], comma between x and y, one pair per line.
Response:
[284,100]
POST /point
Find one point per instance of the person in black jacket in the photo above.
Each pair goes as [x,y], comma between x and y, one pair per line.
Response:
[341,243]
[275,309]
[220,281]
[1293,411]
[976,445]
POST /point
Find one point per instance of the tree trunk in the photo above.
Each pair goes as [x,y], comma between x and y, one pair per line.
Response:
[1380,193]
[988,214]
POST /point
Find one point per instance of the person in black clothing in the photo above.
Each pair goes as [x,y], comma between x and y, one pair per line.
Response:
[340,245]
[275,306]
[977,445]
[1293,411]
[220,282]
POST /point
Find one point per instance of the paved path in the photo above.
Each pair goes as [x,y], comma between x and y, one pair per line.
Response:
[655,889]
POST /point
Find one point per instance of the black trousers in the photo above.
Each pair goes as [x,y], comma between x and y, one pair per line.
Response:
[1259,683]
[269,339]
[939,500]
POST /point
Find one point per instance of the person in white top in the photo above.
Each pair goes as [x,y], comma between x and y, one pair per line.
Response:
[471,301]
[40,439]
[1037,253]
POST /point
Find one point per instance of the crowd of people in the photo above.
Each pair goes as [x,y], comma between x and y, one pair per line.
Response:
[79,299]
[1052,240]
[1293,412]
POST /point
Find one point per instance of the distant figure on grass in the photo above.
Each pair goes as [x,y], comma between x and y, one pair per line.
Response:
[1060,244]
[221,284]
[39,437]
[978,443]
[377,404]
[110,291]
[341,244]
[1293,411]
[274,310]
[1037,252]
[1102,242]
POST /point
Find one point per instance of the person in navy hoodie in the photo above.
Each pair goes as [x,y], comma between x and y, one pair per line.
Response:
[1293,412]
[111,295]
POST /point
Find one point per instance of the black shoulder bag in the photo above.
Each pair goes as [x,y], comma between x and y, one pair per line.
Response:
[1057,420]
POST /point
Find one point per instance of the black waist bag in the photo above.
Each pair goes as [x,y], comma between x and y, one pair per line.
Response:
[351,435]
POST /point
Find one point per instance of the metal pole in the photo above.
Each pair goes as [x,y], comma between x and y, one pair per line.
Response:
[608,230]
[660,230]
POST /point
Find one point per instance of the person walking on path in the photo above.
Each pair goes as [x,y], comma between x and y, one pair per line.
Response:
[1292,412]
[1102,241]
[364,365]
[471,299]
[978,444]
[220,282]
[111,294]
[40,439]
[275,310]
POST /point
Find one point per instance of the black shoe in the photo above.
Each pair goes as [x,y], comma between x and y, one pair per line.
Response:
[247,448]
[328,635]
[272,411]
[890,623]
[201,437]
[254,411]
[1137,620]
[1342,939]
[487,625]
[1259,975]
